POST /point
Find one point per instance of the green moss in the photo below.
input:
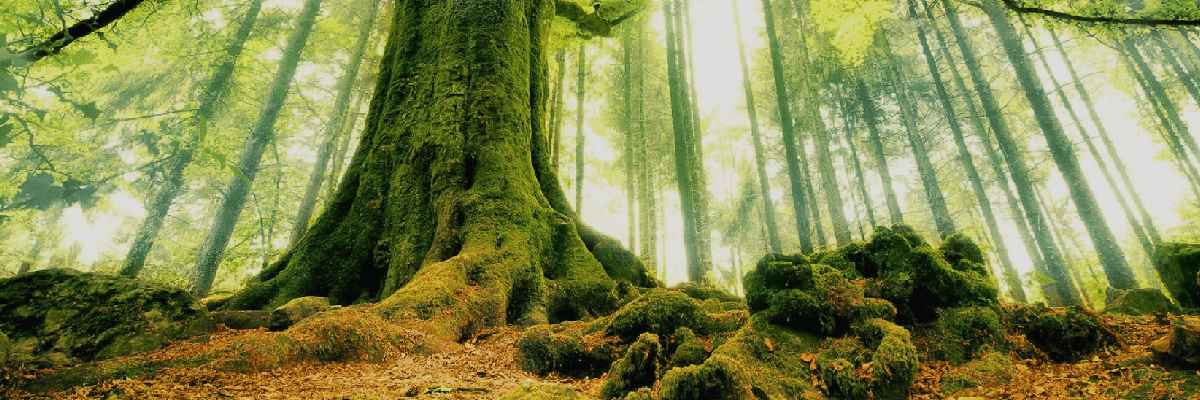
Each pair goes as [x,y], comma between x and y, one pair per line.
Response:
[638,368]
[562,348]
[962,253]
[960,334]
[759,361]
[5,350]
[703,292]
[811,297]
[879,362]
[659,311]
[993,368]
[571,300]
[688,349]
[1177,265]
[1145,301]
[1064,334]
[641,394]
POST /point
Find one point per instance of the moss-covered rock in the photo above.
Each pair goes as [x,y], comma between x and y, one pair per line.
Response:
[566,349]
[638,368]
[817,298]
[961,334]
[879,362]
[1064,334]
[658,311]
[704,292]
[1177,265]
[688,349]
[544,392]
[5,350]
[1144,301]
[993,368]
[242,319]
[57,313]
[297,309]
[758,362]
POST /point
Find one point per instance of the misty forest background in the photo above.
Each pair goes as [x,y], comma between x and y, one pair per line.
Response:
[1065,148]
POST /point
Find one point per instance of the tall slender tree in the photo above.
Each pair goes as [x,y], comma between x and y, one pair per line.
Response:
[760,162]
[345,87]
[580,92]
[683,152]
[261,134]
[147,232]
[871,117]
[799,205]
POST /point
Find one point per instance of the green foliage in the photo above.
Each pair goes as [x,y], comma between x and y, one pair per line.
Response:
[852,25]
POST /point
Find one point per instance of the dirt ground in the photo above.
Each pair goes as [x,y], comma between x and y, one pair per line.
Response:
[484,369]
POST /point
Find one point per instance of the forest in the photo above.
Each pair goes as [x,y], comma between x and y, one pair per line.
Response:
[605,199]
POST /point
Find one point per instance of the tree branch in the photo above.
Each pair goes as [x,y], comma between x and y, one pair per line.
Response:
[1013,5]
[81,29]
[592,22]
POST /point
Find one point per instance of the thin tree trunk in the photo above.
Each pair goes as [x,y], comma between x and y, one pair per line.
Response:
[1154,90]
[1063,292]
[870,115]
[1016,289]
[647,204]
[627,124]
[1130,218]
[908,114]
[147,232]
[691,123]
[1073,264]
[683,159]
[339,155]
[814,207]
[854,160]
[1168,131]
[556,110]
[799,206]
[1187,78]
[1102,132]
[580,91]
[829,183]
[340,105]
[760,161]
[231,206]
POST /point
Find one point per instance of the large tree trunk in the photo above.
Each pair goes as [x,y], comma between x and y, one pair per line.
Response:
[799,206]
[449,208]
[1015,288]
[1061,292]
[147,232]
[760,161]
[1063,152]
[340,105]
[261,134]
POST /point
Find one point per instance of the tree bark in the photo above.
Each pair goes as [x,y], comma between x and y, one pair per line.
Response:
[1062,292]
[1102,132]
[870,115]
[1061,150]
[580,91]
[1016,289]
[760,161]
[261,134]
[449,208]
[799,206]
[345,87]
[147,232]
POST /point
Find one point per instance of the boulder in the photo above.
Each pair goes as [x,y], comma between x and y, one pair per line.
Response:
[297,309]
[1064,334]
[59,316]
[1146,301]
[1177,265]
[1181,347]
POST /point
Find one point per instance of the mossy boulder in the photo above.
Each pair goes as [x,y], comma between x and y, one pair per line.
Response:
[812,297]
[992,368]
[1144,301]
[638,368]
[57,314]
[297,309]
[658,311]
[5,350]
[758,362]
[961,334]
[1180,348]
[688,349]
[1177,265]
[1063,334]
[704,292]
[878,362]
[565,348]
[544,392]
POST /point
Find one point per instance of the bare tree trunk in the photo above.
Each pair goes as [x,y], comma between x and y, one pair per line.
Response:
[760,161]
[870,114]
[580,91]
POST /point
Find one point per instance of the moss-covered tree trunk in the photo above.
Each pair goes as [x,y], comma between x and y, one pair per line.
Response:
[449,208]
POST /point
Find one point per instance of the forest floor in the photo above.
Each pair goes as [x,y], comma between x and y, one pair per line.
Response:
[484,368]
